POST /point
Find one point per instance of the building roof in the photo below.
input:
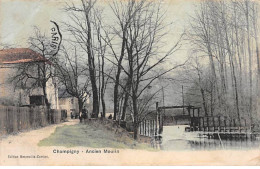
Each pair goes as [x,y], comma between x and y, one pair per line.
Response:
[63,93]
[20,55]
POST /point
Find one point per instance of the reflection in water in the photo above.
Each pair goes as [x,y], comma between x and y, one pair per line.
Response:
[175,138]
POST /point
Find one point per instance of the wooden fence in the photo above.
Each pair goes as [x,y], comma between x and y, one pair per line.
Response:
[219,124]
[15,119]
[148,128]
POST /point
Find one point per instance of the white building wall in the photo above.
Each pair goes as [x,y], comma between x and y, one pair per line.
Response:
[10,95]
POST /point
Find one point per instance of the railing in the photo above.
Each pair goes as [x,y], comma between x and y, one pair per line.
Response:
[147,128]
[222,126]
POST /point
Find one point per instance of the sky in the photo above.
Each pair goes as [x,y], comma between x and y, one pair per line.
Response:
[17,18]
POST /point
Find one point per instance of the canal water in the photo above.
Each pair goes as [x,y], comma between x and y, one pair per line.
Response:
[175,138]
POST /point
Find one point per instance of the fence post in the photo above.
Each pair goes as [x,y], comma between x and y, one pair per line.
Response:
[225,124]
[140,128]
[15,119]
[156,118]
[203,123]
[145,127]
[1,121]
[219,124]
[148,128]
[213,124]
[10,124]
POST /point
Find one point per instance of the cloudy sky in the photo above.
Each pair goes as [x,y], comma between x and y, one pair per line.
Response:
[17,18]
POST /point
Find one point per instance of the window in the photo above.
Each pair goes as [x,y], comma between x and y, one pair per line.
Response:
[37,100]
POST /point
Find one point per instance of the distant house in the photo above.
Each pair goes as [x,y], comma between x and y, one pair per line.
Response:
[68,102]
[10,94]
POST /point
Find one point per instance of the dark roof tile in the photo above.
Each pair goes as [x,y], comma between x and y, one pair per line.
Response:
[19,55]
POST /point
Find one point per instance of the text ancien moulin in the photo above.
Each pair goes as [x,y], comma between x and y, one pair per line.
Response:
[97,151]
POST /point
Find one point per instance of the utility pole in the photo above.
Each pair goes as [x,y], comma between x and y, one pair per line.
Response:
[163,95]
[163,99]
[161,130]
[182,99]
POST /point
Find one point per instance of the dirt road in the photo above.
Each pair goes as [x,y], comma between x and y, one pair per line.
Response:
[25,144]
[22,149]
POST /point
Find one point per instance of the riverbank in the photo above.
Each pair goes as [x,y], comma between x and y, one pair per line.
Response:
[93,134]
[25,147]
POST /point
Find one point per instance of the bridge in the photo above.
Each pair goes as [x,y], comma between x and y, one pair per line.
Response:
[164,116]
[167,117]
[210,126]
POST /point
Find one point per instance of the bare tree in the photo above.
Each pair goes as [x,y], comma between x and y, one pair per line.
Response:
[101,50]
[256,32]
[81,27]
[224,31]
[123,12]
[143,36]
[73,74]
[35,74]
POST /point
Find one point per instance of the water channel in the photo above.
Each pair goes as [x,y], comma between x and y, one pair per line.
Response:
[174,138]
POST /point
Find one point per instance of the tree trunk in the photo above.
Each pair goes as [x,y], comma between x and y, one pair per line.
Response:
[116,100]
[124,107]
[258,81]
[135,117]
[128,88]
[232,67]
[80,105]
[48,105]
[117,81]
[103,103]
[250,62]
[95,100]
[204,101]
[91,62]
[255,22]
[44,84]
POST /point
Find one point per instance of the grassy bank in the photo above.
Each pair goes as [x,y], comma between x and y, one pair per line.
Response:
[93,135]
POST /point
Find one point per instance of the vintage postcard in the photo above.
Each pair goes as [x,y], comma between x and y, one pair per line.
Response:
[129,82]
